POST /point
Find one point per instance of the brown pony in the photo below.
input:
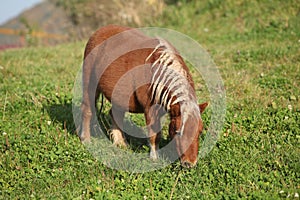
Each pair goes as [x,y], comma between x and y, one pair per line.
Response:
[140,74]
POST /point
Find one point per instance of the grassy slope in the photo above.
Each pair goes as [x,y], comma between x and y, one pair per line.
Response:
[256,47]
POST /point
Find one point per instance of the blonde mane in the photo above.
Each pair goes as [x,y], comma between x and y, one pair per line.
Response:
[169,80]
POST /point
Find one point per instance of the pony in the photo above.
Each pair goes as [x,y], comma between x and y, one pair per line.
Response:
[141,74]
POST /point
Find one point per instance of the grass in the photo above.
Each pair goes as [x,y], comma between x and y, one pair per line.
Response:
[256,48]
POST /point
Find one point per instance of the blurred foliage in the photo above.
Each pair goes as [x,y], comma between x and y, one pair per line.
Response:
[89,15]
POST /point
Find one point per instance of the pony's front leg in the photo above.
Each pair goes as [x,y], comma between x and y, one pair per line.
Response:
[154,132]
[116,133]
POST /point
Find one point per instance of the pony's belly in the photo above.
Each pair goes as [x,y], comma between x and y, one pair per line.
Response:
[130,104]
[124,96]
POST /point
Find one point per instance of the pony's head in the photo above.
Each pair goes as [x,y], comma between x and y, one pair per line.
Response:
[186,135]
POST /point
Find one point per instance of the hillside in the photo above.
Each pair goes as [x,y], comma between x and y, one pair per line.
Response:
[56,21]
[44,23]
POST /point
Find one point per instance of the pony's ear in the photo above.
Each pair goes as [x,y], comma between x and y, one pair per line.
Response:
[203,106]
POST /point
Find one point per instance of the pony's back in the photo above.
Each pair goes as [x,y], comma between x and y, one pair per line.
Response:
[103,34]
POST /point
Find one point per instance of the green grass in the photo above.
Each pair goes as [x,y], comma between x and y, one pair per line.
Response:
[256,48]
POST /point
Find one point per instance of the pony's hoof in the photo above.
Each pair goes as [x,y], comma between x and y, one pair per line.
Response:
[118,138]
[153,155]
[120,144]
[85,140]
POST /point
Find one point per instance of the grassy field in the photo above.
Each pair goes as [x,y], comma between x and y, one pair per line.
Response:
[256,46]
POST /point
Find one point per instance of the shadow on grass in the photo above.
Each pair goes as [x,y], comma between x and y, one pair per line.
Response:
[138,142]
[62,113]
[135,136]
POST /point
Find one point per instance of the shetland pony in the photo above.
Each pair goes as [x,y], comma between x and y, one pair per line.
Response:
[140,74]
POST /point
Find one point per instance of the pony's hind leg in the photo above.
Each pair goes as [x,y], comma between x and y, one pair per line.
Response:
[89,112]
[85,135]
[90,94]
[116,130]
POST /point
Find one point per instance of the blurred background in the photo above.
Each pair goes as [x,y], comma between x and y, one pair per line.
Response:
[44,22]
